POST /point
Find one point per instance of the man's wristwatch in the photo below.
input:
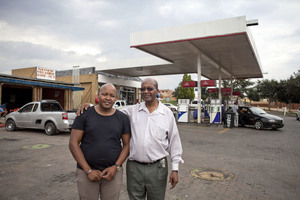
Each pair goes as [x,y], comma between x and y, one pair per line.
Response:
[118,167]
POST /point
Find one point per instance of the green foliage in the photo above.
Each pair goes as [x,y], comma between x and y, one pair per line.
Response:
[239,85]
[287,91]
[253,94]
[268,89]
[184,93]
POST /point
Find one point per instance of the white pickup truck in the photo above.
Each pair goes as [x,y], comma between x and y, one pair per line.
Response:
[119,104]
[44,114]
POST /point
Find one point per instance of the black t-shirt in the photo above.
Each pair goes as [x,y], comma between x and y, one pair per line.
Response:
[101,144]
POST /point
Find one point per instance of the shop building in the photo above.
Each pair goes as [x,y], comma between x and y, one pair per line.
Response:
[25,86]
[70,88]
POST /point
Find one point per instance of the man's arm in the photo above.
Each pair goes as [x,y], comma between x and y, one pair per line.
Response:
[83,107]
[173,179]
[110,172]
[75,139]
[175,149]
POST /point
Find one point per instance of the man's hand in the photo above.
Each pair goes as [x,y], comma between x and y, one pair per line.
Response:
[82,107]
[95,175]
[109,173]
[173,179]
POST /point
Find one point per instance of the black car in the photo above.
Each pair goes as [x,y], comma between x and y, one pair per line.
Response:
[259,118]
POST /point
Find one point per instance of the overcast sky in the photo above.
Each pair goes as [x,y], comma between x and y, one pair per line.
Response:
[65,33]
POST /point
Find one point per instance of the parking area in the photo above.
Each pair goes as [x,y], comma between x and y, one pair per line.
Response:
[264,164]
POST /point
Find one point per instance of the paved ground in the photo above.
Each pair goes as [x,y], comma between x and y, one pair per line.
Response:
[265,164]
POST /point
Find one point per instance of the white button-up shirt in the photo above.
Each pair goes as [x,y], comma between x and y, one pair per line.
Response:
[155,135]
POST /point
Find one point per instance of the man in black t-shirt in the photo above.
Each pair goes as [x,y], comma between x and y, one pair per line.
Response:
[95,144]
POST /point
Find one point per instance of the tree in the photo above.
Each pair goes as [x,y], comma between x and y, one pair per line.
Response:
[268,89]
[184,93]
[253,94]
[289,90]
[239,85]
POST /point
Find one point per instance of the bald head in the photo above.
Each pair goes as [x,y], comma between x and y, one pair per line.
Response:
[151,81]
[107,97]
[108,86]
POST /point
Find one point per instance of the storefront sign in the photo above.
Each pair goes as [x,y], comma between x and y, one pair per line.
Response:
[43,73]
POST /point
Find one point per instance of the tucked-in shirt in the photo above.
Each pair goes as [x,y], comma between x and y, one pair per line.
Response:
[101,143]
[153,135]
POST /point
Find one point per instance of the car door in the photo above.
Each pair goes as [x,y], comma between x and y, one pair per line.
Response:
[35,122]
[246,116]
[251,117]
[24,117]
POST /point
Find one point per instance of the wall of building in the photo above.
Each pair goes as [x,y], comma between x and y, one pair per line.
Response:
[64,96]
[29,72]
[166,94]
[87,79]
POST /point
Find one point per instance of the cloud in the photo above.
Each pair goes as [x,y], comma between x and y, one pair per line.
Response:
[61,34]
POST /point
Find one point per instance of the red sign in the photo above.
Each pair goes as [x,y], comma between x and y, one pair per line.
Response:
[189,84]
[212,90]
[207,83]
[237,93]
[225,90]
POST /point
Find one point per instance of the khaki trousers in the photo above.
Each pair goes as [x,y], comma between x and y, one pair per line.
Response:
[106,190]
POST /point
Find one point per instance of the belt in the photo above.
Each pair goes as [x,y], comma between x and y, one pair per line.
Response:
[146,163]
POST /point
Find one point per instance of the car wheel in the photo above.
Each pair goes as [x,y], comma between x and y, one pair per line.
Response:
[297,117]
[50,128]
[10,125]
[259,125]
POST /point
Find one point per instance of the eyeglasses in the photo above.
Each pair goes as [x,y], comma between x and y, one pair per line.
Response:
[149,89]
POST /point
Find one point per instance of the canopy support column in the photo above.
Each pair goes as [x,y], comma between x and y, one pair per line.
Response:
[220,95]
[199,87]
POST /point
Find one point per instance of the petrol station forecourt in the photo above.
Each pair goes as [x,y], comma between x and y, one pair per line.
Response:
[216,50]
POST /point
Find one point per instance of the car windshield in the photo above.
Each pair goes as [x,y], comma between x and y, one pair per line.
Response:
[257,111]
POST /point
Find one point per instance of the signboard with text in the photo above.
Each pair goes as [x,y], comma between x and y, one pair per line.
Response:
[43,73]
[223,90]
[204,83]
[207,83]
[212,90]
[189,84]
[233,93]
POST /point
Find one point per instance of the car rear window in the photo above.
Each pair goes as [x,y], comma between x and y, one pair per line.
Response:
[51,107]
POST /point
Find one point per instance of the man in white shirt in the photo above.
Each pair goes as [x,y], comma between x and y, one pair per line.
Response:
[236,116]
[154,136]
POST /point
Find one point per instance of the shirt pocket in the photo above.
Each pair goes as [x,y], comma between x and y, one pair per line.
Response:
[160,132]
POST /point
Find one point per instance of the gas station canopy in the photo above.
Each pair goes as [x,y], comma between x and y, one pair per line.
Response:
[225,48]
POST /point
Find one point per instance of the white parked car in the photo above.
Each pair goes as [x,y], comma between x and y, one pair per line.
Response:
[120,104]
[44,114]
[171,106]
[298,114]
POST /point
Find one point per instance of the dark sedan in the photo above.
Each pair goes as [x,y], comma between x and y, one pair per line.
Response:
[259,118]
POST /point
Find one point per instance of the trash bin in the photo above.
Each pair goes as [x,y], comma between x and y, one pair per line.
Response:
[229,120]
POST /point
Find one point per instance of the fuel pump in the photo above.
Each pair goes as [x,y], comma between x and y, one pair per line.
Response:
[215,111]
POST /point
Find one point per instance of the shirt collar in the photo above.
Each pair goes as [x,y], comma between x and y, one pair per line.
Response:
[159,109]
